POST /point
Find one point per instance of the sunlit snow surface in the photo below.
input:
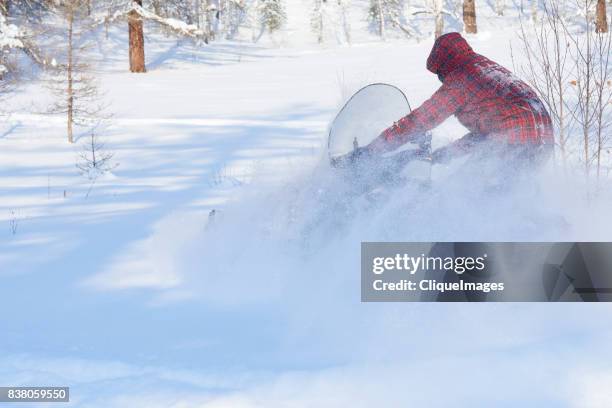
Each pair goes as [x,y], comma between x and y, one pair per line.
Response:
[136,296]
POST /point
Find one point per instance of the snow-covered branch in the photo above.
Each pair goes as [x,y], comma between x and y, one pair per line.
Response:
[9,34]
[402,27]
[433,12]
[176,25]
[9,38]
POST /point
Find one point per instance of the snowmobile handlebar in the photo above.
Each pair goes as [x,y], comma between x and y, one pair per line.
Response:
[361,157]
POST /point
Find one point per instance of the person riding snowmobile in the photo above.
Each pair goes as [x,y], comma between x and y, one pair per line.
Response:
[497,108]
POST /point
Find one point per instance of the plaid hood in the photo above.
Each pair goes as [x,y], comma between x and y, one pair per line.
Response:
[449,52]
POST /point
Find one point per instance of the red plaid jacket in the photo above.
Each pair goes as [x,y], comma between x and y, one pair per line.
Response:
[486,98]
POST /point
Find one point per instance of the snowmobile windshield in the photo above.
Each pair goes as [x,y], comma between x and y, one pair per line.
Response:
[370,111]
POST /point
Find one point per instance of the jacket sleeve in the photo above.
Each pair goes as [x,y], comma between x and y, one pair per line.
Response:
[443,104]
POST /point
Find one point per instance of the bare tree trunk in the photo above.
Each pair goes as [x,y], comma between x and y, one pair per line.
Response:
[603,93]
[157,7]
[346,26]
[439,17]
[4,7]
[318,20]
[602,19]
[201,19]
[586,96]
[500,6]
[469,16]
[381,18]
[210,28]
[136,34]
[439,25]
[70,77]
[599,149]
[197,11]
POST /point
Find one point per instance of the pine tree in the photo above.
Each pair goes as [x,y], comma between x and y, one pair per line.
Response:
[9,39]
[316,20]
[272,15]
[94,160]
[76,90]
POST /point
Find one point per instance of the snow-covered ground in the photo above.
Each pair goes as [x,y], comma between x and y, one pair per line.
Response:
[127,291]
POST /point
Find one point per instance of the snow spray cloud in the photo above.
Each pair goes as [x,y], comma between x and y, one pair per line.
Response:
[297,231]
[286,259]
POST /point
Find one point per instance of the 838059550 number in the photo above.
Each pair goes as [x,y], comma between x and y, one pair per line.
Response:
[34,394]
